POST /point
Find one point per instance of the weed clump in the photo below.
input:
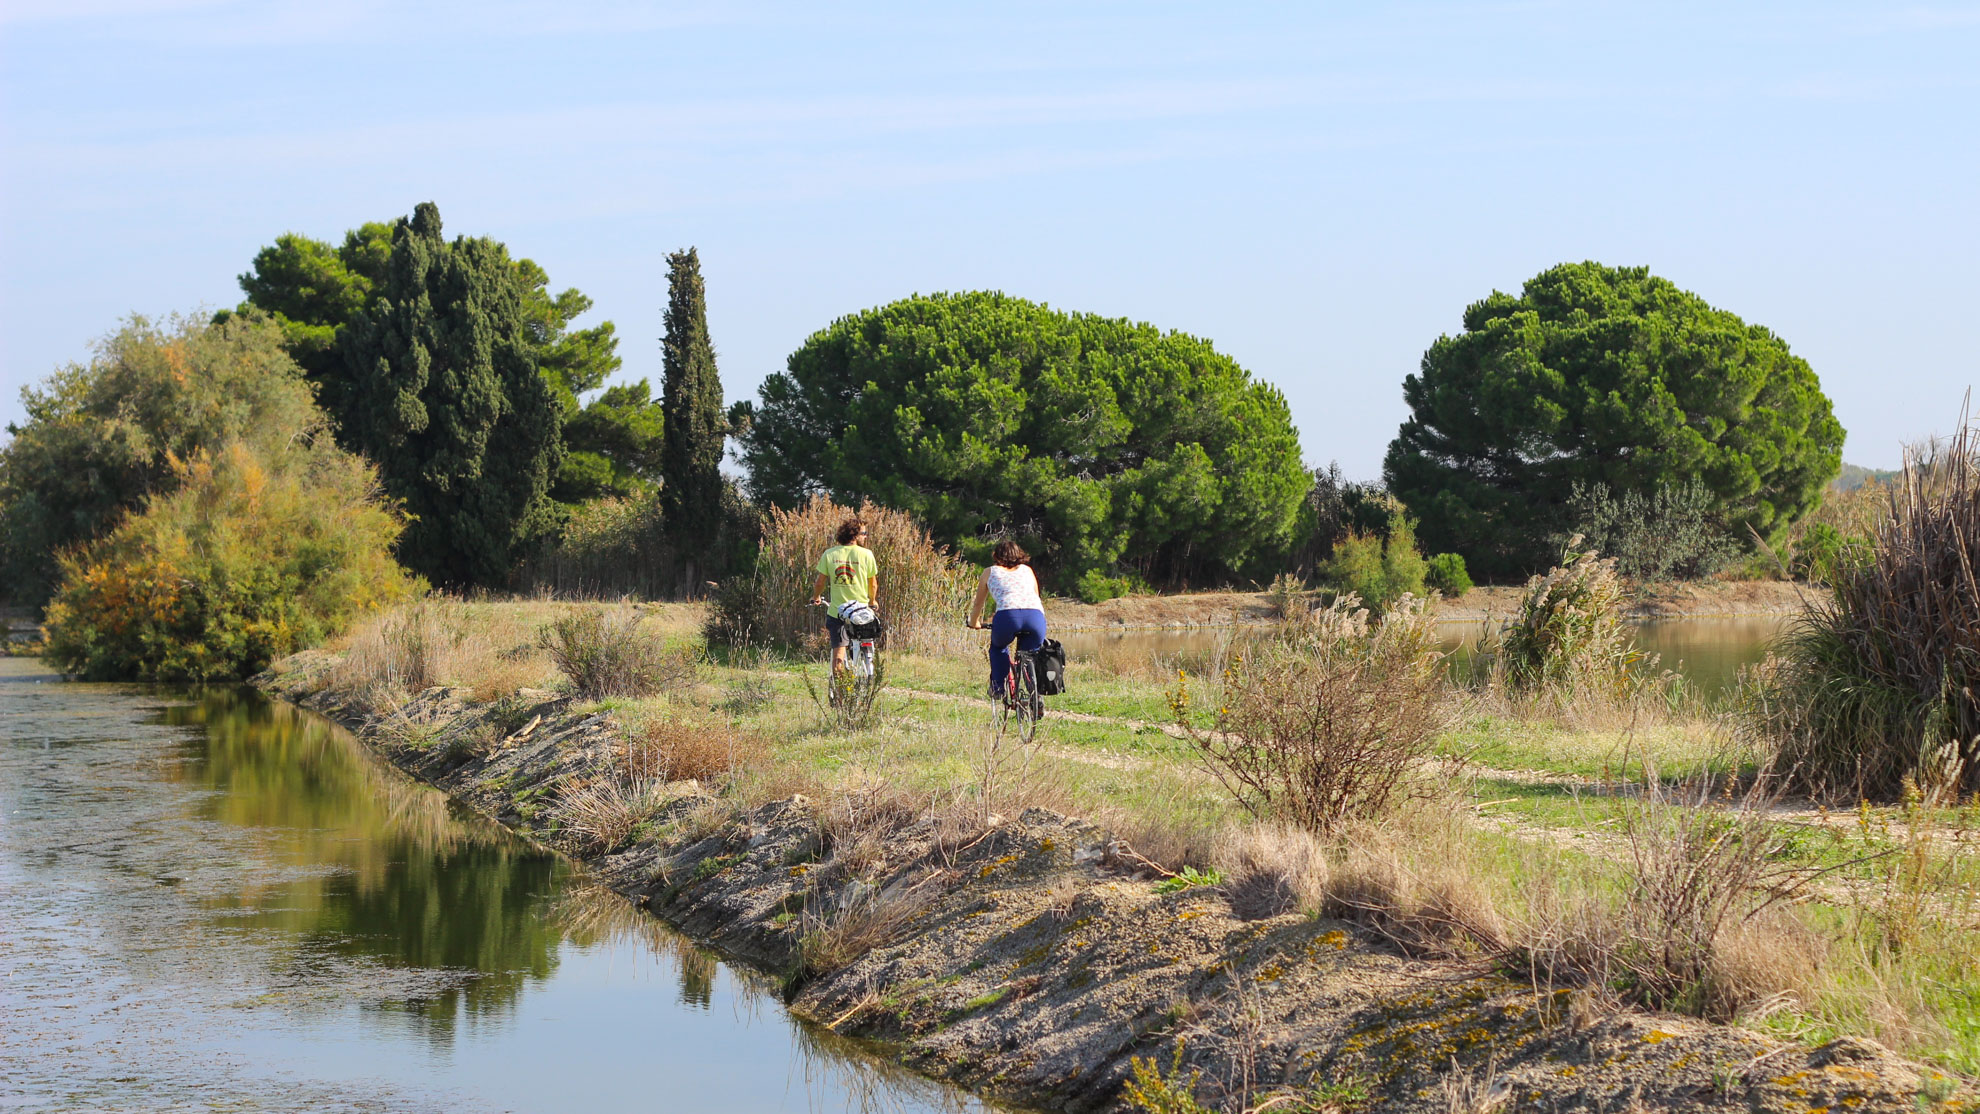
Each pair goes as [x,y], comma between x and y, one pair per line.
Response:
[675,749]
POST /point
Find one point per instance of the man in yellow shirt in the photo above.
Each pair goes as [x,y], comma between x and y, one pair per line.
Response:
[852,572]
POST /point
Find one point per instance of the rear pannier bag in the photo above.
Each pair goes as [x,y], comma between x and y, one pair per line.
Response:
[1051,663]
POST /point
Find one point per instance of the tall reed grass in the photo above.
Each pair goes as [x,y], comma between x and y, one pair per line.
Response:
[1879,680]
[924,587]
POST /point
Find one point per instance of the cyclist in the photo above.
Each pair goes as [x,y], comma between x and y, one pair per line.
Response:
[854,575]
[1020,613]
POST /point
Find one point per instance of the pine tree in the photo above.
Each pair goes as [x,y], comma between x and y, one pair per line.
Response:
[694,424]
[447,400]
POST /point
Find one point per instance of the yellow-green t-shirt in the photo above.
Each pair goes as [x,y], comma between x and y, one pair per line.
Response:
[849,568]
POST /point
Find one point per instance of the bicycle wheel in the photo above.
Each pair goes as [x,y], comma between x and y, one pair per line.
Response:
[863,675]
[1023,700]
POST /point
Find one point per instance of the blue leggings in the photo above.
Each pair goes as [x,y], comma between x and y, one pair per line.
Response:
[1027,626]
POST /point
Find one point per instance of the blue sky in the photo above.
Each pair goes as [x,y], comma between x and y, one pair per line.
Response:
[1319,189]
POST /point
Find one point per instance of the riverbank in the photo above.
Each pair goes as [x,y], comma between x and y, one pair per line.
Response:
[1034,957]
[1646,602]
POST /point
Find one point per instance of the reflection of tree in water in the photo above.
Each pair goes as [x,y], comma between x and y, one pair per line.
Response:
[419,883]
[591,915]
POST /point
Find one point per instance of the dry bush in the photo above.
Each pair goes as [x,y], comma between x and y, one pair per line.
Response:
[604,654]
[1699,923]
[1880,681]
[858,824]
[924,587]
[1323,721]
[599,815]
[1271,869]
[676,749]
[867,917]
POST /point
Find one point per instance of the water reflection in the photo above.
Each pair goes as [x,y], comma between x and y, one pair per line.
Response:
[210,899]
[395,873]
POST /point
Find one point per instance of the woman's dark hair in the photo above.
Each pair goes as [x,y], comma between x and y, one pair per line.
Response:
[1009,554]
[850,530]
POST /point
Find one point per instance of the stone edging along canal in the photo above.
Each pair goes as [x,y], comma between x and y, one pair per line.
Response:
[1029,963]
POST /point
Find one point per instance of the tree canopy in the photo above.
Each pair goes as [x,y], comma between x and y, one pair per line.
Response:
[1604,375]
[102,438]
[1096,442]
[312,290]
[446,398]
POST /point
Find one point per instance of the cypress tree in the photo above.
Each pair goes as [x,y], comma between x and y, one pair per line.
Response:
[693,423]
[447,400]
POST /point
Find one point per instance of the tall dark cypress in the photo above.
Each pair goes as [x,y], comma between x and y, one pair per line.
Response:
[694,425]
[447,400]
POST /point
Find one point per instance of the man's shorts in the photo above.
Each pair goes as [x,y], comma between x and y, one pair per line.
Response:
[835,628]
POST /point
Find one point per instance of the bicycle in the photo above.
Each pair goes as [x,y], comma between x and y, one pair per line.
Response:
[1019,707]
[853,685]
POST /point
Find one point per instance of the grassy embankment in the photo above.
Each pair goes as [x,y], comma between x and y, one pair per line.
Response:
[1531,844]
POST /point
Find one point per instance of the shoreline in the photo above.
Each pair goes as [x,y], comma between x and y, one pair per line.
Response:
[1029,958]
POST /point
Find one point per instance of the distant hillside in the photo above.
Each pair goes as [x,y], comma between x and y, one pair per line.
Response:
[1853,476]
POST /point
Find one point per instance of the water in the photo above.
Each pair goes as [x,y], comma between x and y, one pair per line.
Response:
[217,902]
[1707,652]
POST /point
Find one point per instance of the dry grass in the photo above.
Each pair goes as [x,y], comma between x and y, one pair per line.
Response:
[438,641]
[678,748]
[867,917]
[1270,869]
[600,815]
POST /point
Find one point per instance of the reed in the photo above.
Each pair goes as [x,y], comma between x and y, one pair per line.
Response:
[1879,679]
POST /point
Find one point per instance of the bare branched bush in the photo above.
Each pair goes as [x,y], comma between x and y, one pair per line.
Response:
[924,587]
[858,824]
[604,654]
[1324,720]
[676,749]
[1701,925]
[1880,680]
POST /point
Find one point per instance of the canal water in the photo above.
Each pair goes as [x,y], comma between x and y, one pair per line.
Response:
[1707,652]
[217,902]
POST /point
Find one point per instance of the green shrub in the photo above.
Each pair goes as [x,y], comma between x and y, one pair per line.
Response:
[247,560]
[1672,532]
[1380,572]
[1568,636]
[1447,574]
[101,439]
[1095,586]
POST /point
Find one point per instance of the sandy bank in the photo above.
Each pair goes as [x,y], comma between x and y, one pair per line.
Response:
[1030,960]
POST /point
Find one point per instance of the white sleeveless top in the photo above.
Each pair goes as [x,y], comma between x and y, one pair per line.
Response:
[1014,589]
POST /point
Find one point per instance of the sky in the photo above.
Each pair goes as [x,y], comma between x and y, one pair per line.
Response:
[1319,189]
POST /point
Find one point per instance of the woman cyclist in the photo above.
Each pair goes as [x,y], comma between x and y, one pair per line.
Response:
[1020,613]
